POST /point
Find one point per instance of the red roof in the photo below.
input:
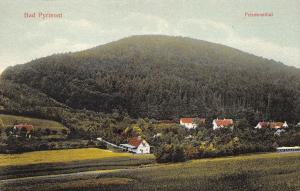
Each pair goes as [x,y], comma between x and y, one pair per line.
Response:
[264,124]
[187,120]
[275,125]
[27,127]
[224,122]
[135,141]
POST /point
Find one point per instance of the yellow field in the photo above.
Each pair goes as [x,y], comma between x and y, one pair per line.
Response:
[54,156]
[10,120]
[267,172]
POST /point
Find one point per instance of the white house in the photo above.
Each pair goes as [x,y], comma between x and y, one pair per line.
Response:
[27,128]
[288,149]
[188,123]
[273,125]
[222,123]
[262,125]
[137,145]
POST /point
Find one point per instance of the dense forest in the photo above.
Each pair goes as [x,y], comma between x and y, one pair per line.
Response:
[121,89]
[164,77]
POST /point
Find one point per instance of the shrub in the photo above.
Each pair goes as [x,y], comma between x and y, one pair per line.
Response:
[170,153]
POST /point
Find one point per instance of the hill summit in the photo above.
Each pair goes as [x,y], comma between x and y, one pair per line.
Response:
[165,77]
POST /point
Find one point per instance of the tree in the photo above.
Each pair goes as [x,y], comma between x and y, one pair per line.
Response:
[190,152]
[178,154]
[170,153]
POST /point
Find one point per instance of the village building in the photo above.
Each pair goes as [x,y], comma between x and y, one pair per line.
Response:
[273,125]
[21,127]
[288,149]
[137,145]
[192,123]
[222,123]
[188,123]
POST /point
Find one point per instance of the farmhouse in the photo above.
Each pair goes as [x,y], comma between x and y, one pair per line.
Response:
[192,123]
[137,145]
[222,123]
[21,127]
[273,125]
[188,123]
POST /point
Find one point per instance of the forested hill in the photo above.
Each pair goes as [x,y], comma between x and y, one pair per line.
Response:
[166,77]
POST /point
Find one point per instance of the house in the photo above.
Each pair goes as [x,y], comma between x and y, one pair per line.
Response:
[222,123]
[21,127]
[192,123]
[188,123]
[137,145]
[273,125]
[289,149]
[278,125]
[262,125]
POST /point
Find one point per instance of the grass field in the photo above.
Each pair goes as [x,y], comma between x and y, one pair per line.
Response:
[264,172]
[11,120]
[255,172]
[67,161]
[62,156]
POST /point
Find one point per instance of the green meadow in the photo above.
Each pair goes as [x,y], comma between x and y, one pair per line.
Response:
[11,120]
[265,172]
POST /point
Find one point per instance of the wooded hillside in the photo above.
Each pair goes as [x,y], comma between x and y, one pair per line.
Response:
[160,77]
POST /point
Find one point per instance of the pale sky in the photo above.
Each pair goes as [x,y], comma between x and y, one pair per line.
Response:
[88,23]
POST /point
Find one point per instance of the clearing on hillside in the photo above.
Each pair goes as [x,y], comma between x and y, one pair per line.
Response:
[11,120]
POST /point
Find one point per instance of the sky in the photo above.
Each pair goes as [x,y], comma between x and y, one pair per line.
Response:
[88,23]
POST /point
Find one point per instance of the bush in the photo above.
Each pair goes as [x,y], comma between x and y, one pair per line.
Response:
[90,143]
[170,153]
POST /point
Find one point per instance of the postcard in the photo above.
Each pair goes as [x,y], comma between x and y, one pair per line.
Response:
[140,95]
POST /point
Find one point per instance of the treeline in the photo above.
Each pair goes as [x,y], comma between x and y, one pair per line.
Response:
[165,78]
[206,143]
